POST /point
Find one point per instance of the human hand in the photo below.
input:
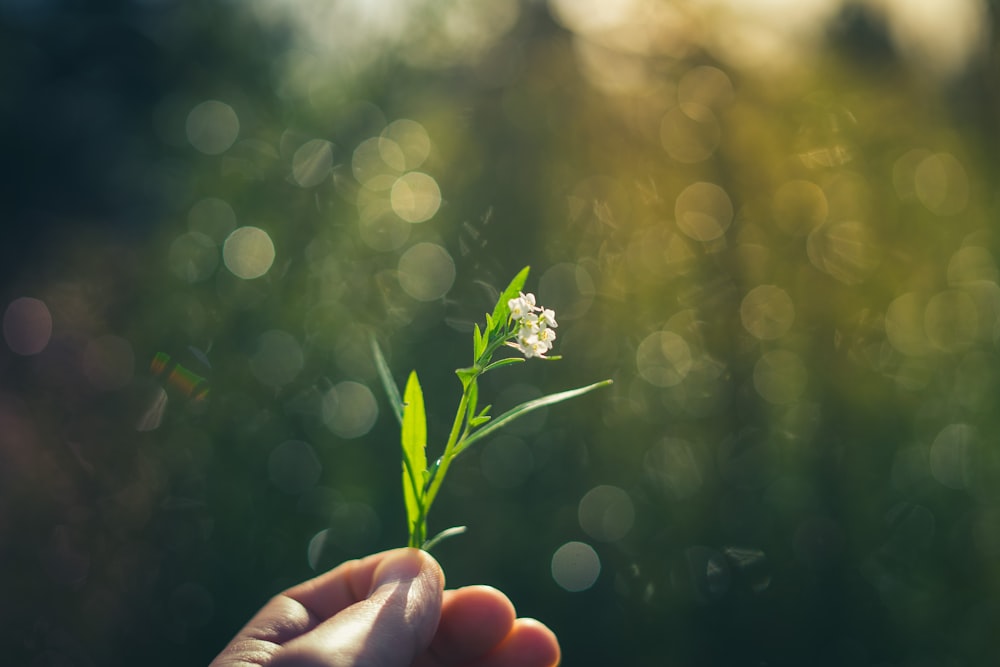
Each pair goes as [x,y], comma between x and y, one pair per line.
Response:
[389,610]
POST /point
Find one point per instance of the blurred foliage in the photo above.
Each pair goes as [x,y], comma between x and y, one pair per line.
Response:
[777,239]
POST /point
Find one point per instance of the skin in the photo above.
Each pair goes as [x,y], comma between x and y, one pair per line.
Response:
[389,610]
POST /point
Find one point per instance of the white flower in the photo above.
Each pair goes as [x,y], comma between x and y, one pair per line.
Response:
[533,347]
[534,334]
[528,344]
[531,323]
[521,305]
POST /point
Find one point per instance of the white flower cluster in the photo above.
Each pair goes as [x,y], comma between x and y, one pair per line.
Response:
[536,326]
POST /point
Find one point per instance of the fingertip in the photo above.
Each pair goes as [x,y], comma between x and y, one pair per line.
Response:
[531,644]
[474,621]
[404,565]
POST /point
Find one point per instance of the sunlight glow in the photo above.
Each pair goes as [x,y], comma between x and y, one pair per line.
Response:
[939,38]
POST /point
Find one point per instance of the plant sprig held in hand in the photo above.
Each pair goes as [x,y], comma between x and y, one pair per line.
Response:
[516,322]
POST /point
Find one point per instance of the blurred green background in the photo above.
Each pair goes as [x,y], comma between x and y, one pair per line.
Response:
[772,223]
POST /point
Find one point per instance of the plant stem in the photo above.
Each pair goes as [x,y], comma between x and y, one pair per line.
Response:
[453,439]
[418,532]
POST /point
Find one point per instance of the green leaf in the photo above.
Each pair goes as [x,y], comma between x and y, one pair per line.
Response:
[467,375]
[478,343]
[501,312]
[473,400]
[385,375]
[414,440]
[503,362]
[525,408]
[443,535]
[479,419]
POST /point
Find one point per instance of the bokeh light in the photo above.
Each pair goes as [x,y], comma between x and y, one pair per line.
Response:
[575,566]
[381,228]
[426,271]
[800,206]
[904,324]
[349,409]
[940,184]
[848,250]
[606,513]
[212,217]
[690,133]
[704,211]
[377,163]
[27,325]
[953,455]
[312,162]
[412,140]
[415,197]
[248,252]
[767,312]
[212,127]
[663,359]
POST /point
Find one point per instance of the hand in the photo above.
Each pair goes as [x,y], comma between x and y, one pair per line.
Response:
[389,610]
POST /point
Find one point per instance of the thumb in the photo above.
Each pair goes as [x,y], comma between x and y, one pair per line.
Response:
[388,628]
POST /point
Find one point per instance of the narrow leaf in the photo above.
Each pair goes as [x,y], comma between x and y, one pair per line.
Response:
[478,343]
[479,421]
[414,440]
[525,408]
[503,362]
[472,401]
[385,375]
[443,535]
[501,311]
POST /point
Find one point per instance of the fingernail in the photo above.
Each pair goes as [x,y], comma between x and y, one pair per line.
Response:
[401,565]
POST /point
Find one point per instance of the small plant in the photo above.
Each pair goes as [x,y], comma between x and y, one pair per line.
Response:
[516,322]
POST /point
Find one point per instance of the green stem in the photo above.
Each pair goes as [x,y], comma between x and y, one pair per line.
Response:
[453,440]
[418,532]
[493,346]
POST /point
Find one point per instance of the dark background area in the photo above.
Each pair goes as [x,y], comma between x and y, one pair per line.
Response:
[779,244]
